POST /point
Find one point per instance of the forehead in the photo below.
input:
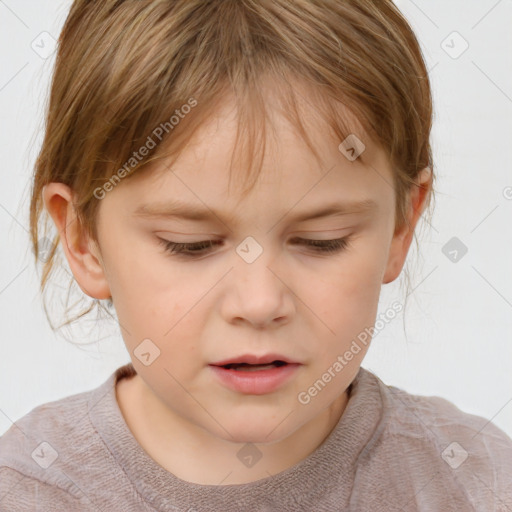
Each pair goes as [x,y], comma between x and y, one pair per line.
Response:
[290,172]
[278,133]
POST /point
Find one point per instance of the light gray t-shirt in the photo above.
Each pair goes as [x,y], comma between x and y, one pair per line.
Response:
[390,451]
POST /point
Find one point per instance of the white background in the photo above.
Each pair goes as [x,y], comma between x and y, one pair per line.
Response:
[459,316]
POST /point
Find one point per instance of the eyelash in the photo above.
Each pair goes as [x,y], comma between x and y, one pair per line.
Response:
[319,246]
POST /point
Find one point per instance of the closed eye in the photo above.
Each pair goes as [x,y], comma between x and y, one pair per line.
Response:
[194,249]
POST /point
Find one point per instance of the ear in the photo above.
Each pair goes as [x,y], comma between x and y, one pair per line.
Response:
[81,251]
[402,237]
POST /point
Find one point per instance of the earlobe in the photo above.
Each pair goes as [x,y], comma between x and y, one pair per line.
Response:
[397,253]
[81,251]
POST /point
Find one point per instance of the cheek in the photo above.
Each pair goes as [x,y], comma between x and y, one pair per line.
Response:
[347,302]
[353,287]
[347,305]
[141,278]
[164,306]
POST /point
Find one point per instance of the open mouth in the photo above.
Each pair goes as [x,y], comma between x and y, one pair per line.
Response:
[245,367]
[255,379]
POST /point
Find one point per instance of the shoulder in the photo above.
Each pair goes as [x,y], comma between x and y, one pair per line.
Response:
[430,442]
[42,454]
[20,492]
[439,421]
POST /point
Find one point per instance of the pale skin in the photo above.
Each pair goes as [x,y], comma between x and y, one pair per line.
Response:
[291,300]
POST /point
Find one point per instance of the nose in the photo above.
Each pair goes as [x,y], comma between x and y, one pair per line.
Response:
[258,293]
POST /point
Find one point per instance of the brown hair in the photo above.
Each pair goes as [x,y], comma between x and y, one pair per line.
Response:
[125,68]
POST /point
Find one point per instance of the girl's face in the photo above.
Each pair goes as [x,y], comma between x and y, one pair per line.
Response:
[258,289]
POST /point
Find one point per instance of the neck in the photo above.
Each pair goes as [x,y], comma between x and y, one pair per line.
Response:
[195,455]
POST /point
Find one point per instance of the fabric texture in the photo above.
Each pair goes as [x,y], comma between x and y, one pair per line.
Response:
[390,451]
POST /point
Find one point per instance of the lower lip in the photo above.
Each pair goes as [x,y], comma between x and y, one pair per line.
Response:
[255,382]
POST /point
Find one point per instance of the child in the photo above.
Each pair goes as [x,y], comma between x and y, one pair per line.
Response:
[246,308]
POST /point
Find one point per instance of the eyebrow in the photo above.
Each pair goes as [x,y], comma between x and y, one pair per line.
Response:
[180,210]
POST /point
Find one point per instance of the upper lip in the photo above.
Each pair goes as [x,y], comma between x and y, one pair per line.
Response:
[254,359]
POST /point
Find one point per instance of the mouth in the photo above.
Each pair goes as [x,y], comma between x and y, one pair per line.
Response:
[245,367]
[255,375]
[247,361]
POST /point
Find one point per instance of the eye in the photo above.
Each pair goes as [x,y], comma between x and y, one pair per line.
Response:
[326,246]
[199,248]
[191,249]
